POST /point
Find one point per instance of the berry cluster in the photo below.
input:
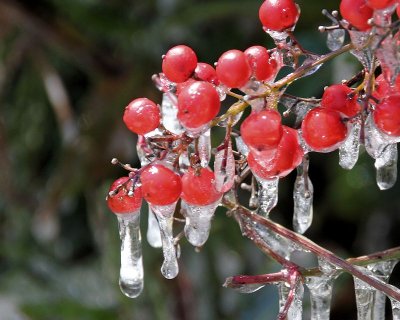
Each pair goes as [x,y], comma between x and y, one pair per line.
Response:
[174,143]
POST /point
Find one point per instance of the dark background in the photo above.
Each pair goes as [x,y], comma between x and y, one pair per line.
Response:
[67,70]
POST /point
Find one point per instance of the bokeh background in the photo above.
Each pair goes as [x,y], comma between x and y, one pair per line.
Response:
[67,70]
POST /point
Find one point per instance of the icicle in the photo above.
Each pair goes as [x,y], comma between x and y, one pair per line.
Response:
[335,39]
[349,149]
[364,299]
[169,113]
[386,167]
[224,168]
[198,222]
[153,231]
[205,148]
[382,270]
[395,309]
[267,195]
[164,214]
[131,272]
[303,199]
[241,147]
[320,296]
[296,308]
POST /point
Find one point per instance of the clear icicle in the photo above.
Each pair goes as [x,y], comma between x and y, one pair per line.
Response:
[169,112]
[386,167]
[303,199]
[241,146]
[349,149]
[267,195]
[365,295]
[224,169]
[205,148]
[164,214]
[395,309]
[382,270]
[335,39]
[198,222]
[131,272]
[296,308]
[153,231]
[320,296]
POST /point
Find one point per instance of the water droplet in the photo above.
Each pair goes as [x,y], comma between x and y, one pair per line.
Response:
[335,39]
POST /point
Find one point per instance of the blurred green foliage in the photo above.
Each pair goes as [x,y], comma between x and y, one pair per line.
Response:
[67,69]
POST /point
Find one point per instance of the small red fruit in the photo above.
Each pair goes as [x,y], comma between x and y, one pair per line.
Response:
[387,115]
[278,15]
[206,72]
[357,13]
[262,65]
[233,69]
[179,63]
[380,4]
[262,131]
[198,104]
[121,203]
[160,185]
[141,116]
[323,129]
[198,187]
[338,97]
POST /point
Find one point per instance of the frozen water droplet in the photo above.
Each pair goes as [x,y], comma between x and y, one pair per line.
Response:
[241,147]
[164,214]
[296,308]
[198,222]
[224,169]
[386,167]
[349,149]
[153,231]
[335,39]
[169,112]
[303,199]
[320,296]
[267,195]
[131,272]
[205,148]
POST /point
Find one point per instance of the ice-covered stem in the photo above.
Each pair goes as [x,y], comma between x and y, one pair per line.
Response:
[240,280]
[240,213]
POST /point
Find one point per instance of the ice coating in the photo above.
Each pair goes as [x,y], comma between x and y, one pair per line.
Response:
[303,199]
[153,230]
[224,168]
[164,214]
[335,39]
[204,147]
[169,113]
[131,271]
[386,167]
[349,149]
[296,308]
[198,222]
[364,299]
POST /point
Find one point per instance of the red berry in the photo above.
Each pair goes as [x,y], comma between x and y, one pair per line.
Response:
[398,10]
[262,131]
[379,4]
[233,69]
[387,115]
[160,185]
[287,157]
[357,13]
[121,203]
[263,67]
[278,15]
[198,104]
[198,187]
[206,72]
[141,116]
[383,89]
[323,129]
[337,97]
[179,63]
